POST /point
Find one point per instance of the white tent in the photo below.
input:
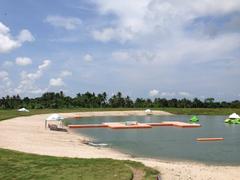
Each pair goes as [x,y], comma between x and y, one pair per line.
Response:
[234,116]
[23,110]
[54,117]
[148,111]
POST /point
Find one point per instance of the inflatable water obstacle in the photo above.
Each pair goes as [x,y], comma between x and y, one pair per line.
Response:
[194,119]
[233,119]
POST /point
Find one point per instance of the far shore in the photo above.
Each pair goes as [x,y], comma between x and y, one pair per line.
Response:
[27,134]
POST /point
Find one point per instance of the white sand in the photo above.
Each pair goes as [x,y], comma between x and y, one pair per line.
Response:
[27,134]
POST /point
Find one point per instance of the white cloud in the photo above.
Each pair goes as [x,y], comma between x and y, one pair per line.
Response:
[109,34]
[8,43]
[104,35]
[187,49]
[25,35]
[27,83]
[56,82]
[23,61]
[44,65]
[176,94]
[157,16]
[137,55]
[66,73]
[160,30]
[153,93]
[168,94]
[5,82]
[3,29]
[88,58]
[3,75]
[121,55]
[185,94]
[68,23]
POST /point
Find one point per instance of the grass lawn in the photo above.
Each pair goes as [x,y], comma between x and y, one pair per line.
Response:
[202,111]
[7,114]
[16,165]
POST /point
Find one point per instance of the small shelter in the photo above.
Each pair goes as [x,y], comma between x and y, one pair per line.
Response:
[234,116]
[148,111]
[23,110]
[54,117]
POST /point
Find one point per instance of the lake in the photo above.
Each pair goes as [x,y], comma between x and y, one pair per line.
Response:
[170,143]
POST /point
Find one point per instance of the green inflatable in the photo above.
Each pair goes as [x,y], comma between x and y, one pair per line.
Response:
[233,119]
[194,119]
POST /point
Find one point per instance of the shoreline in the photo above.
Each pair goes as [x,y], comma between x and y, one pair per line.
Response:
[27,134]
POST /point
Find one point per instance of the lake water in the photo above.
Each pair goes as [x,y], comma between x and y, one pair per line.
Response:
[170,143]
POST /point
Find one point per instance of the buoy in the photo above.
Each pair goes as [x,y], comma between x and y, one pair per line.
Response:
[210,139]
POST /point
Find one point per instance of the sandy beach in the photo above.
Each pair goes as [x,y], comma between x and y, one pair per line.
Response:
[27,134]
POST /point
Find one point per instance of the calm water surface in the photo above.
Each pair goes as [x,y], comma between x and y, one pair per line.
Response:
[170,142]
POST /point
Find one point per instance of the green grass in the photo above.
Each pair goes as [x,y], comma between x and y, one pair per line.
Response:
[7,114]
[202,111]
[16,165]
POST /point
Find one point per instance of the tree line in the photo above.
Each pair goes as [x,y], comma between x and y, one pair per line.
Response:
[57,100]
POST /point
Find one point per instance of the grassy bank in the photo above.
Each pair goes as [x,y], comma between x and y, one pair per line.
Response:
[7,114]
[16,165]
[202,111]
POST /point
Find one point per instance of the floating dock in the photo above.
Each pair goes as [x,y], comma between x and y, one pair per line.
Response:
[118,125]
[181,124]
[175,124]
[122,125]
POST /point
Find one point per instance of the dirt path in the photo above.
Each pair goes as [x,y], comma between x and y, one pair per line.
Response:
[138,174]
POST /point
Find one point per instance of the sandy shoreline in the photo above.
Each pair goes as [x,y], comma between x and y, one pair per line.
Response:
[27,134]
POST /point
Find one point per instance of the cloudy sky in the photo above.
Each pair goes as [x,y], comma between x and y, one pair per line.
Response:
[144,48]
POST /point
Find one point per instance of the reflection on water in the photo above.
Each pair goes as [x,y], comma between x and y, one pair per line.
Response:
[170,142]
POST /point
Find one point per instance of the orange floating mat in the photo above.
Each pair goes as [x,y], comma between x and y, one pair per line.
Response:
[210,139]
[180,124]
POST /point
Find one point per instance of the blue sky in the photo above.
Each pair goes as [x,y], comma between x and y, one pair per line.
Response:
[144,48]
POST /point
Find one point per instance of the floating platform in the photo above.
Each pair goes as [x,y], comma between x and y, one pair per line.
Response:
[122,125]
[210,139]
[118,125]
[176,124]
[183,124]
